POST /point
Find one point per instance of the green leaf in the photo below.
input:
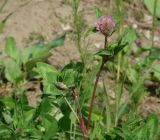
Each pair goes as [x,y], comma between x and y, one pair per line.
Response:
[2,25]
[23,98]
[46,105]
[11,50]
[51,127]
[130,36]
[5,132]
[39,52]
[156,71]
[50,88]
[122,109]
[154,54]
[13,72]
[97,132]
[65,123]
[1,63]
[8,102]
[152,124]
[125,39]
[71,74]
[10,46]
[7,117]
[132,74]
[47,72]
[49,75]
[56,42]
[141,132]
[96,115]
[151,57]
[98,12]
[90,31]
[28,115]
[113,49]
[3,5]
[150,5]
[35,53]
[108,109]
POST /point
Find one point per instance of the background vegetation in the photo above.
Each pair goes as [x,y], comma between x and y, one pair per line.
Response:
[124,75]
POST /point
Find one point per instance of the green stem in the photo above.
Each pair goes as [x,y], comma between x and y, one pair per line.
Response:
[3,5]
[153,22]
[71,108]
[119,6]
[120,60]
[78,27]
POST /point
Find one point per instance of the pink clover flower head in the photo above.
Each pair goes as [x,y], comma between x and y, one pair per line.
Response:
[105,25]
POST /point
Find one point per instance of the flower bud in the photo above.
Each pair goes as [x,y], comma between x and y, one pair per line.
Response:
[61,86]
[105,25]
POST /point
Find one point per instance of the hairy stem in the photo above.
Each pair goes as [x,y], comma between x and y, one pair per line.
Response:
[81,120]
[95,87]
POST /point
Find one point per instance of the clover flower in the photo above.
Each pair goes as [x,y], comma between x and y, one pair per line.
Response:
[105,25]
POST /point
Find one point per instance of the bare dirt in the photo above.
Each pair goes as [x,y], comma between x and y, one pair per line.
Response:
[49,18]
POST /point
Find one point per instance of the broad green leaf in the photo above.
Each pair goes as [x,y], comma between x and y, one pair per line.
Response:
[46,105]
[35,53]
[65,123]
[47,72]
[50,88]
[125,39]
[10,46]
[49,75]
[13,72]
[156,71]
[113,49]
[33,134]
[51,127]
[28,115]
[11,50]
[150,5]
[39,51]
[105,52]
[71,74]
[8,102]
[7,117]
